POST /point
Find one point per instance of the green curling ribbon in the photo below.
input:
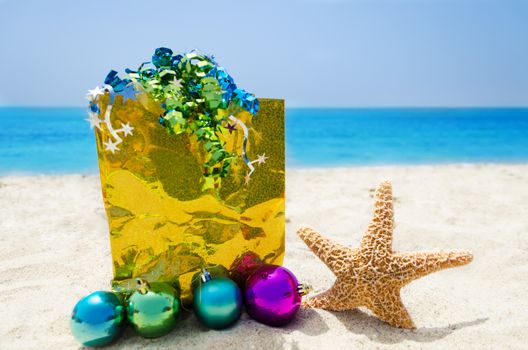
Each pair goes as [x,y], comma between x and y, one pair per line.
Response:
[196,94]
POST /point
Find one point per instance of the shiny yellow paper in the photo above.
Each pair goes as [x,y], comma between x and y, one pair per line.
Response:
[166,219]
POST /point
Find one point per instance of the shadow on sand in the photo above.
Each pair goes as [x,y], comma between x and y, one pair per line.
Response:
[359,322]
[191,334]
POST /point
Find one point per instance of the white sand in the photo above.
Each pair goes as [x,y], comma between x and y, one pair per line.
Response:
[54,249]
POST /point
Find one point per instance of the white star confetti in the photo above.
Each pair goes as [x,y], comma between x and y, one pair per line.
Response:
[177,83]
[262,158]
[94,93]
[94,121]
[127,129]
[111,146]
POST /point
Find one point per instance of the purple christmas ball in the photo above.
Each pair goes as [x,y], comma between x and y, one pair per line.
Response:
[271,295]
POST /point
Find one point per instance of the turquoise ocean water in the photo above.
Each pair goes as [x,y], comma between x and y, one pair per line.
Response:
[59,140]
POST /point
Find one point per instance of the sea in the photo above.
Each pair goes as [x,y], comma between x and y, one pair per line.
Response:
[59,140]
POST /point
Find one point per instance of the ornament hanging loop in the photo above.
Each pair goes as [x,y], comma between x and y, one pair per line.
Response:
[304,289]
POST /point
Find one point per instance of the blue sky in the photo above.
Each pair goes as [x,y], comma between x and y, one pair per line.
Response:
[377,53]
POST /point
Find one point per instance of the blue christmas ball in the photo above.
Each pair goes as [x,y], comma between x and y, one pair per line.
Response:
[97,319]
[217,302]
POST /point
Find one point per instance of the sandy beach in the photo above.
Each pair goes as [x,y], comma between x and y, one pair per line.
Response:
[54,249]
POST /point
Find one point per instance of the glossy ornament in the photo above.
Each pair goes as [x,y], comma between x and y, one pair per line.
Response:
[217,301]
[243,267]
[97,319]
[153,309]
[273,295]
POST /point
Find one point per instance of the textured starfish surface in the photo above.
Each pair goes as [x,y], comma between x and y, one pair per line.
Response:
[372,275]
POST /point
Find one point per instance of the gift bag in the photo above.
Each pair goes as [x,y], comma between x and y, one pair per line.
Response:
[180,201]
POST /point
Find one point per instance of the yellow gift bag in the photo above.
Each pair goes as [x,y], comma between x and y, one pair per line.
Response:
[172,206]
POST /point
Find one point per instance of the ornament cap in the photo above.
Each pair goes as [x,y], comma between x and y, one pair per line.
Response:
[304,289]
[142,286]
[205,276]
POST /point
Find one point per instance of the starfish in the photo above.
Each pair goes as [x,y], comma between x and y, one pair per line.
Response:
[372,275]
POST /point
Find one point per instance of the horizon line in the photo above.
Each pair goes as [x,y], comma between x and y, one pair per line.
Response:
[326,107]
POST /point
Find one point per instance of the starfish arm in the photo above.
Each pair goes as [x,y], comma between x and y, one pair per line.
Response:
[411,266]
[337,298]
[388,306]
[378,237]
[334,255]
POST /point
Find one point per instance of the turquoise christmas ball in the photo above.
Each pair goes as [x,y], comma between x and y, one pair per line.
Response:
[153,310]
[97,319]
[218,302]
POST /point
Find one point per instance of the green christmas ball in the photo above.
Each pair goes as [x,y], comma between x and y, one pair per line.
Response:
[217,302]
[153,309]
